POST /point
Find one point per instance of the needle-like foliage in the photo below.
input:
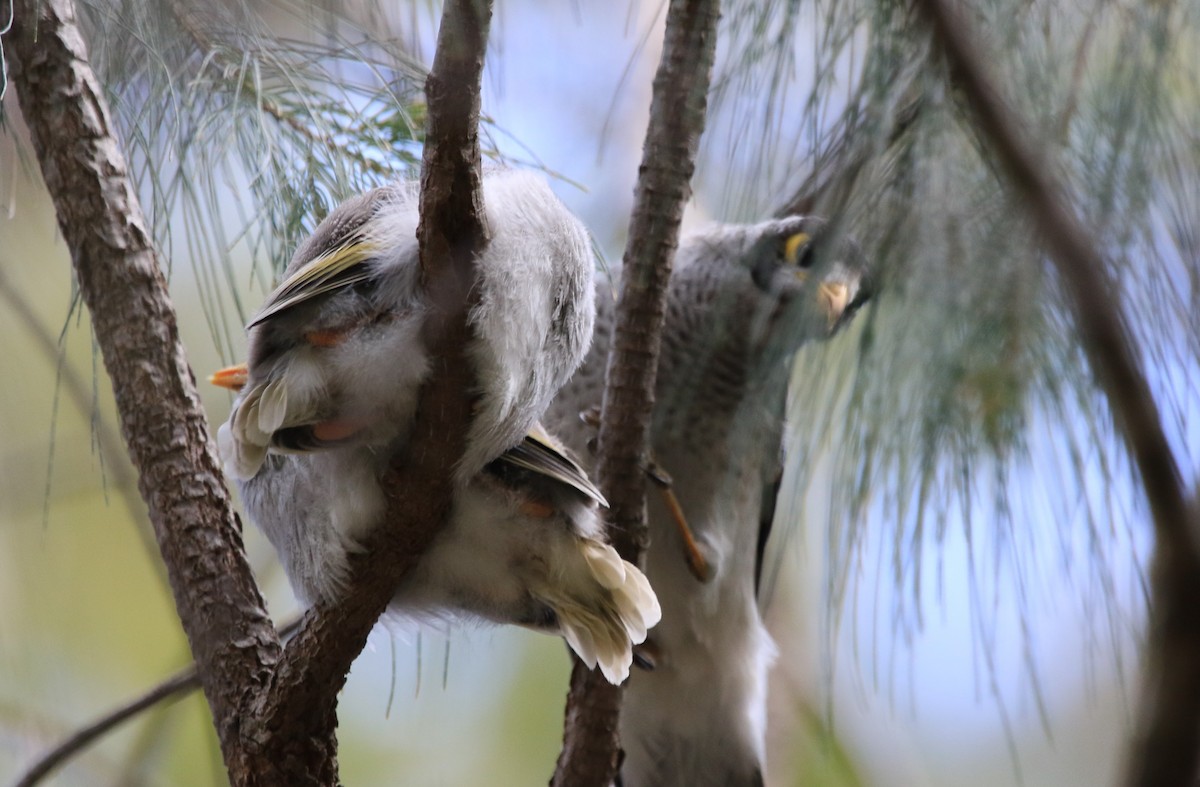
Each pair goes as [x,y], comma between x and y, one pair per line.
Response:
[958,406]
[961,404]
[246,123]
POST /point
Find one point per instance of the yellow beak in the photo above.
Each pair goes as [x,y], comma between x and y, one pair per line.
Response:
[833,297]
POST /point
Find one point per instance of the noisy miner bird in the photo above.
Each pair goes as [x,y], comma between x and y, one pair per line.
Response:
[329,395]
[742,299]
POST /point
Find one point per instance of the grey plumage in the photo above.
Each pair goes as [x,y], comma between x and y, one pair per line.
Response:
[336,363]
[356,281]
[742,299]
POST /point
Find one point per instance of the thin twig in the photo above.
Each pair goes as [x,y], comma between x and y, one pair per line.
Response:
[121,280]
[173,688]
[107,439]
[677,114]
[1165,750]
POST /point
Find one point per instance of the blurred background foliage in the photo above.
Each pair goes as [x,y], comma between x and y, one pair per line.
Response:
[957,584]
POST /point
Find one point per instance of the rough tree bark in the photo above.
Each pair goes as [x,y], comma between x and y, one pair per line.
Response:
[1166,747]
[275,713]
[179,477]
[677,114]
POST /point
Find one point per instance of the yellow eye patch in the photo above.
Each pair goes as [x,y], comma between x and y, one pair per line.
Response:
[793,246]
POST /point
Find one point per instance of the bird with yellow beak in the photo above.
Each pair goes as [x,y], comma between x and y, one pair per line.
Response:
[741,300]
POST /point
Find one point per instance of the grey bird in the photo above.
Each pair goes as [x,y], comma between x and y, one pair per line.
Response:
[329,395]
[742,299]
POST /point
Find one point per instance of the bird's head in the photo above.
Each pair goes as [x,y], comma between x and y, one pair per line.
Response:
[760,291]
[814,274]
[743,298]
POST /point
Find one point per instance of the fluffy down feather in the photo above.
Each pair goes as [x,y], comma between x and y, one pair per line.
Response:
[336,355]
[330,390]
[542,566]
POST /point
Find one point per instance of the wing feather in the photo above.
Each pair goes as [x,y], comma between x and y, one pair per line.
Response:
[540,453]
[341,267]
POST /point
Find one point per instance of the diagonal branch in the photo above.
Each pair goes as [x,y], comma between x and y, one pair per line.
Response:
[302,699]
[163,424]
[173,688]
[275,716]
[677,115]
[1165,751]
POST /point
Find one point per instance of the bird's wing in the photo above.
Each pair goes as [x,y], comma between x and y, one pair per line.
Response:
[336,269]
[540,453]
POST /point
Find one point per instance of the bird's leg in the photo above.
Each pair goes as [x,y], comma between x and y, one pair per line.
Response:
[536,509]
[697,564]
[591,416]
[334,335]
[696,561]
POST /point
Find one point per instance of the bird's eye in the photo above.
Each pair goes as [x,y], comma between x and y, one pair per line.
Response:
[797,250]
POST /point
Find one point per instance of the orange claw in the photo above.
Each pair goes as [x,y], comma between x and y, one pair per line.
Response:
[691,550]
[232,377]
[696,562]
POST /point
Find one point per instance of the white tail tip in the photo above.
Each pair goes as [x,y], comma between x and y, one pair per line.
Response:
[623,609]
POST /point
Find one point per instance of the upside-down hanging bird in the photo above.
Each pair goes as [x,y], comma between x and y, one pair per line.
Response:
[741,300]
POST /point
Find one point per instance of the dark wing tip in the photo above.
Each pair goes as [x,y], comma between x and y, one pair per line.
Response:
[540,456]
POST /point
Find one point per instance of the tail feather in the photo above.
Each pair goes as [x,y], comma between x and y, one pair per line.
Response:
[272,406]
[578,634]
[610,612]
[244,438]
[607,566]
[242,452]
[638,605]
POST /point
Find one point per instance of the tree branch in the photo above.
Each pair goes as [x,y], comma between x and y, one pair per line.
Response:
[302,699]
[163,424]
[275,717]
[677,115]
[1166,750]
[173,688]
